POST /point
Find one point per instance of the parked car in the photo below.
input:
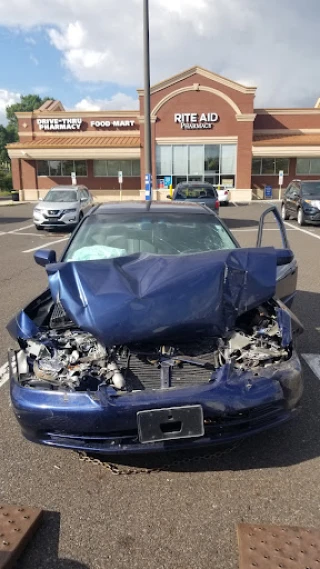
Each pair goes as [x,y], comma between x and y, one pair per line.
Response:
[199,192]
[157,332]
[223,195]
[302,202]
[63,206]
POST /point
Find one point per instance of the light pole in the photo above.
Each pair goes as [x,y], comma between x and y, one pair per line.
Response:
[147,111]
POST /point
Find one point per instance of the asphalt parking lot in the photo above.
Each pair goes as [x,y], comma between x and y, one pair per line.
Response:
[184,516]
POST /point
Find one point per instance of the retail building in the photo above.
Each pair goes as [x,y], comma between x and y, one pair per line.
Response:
[204,127]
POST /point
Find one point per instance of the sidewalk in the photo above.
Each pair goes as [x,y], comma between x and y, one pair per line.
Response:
[10,202]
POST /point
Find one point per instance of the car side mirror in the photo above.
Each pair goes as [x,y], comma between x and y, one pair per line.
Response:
[284,257]
[83,199]
[169,197]
[45,257]
[40,199]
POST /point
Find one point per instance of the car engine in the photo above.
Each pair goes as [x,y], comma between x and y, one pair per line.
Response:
[66,358]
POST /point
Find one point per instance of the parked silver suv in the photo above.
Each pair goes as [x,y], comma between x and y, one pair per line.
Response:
[63,206]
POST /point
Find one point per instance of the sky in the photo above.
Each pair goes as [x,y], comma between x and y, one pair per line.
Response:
[89,54]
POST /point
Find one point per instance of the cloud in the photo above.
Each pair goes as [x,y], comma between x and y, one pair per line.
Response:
[7,98]
[30,40]
[273,44]
[119,102]
[34,59]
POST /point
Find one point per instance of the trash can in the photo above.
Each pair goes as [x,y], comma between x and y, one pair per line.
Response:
[268,192]
[15,196]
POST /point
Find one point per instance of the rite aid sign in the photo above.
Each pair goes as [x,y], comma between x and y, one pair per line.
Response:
[195,121]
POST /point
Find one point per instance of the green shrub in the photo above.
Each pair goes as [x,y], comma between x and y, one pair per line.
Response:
[5,181]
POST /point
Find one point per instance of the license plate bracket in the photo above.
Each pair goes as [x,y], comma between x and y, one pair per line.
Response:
[158,425]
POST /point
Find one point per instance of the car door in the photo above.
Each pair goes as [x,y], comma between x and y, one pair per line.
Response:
[287,266]
[84,198]
[287,199]
[295,197]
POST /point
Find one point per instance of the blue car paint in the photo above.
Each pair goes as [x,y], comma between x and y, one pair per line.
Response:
[238,403]
[129,299]
[105,421]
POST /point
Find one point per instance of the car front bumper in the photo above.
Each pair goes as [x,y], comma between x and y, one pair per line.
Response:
[312,215]
[61,220]
[236,405]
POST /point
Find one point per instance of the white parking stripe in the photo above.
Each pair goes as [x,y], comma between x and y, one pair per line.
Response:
[302,230]
[4,374]
[21,228]
[45,245]
[313,361]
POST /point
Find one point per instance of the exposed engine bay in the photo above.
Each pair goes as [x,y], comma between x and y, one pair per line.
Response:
[62,357]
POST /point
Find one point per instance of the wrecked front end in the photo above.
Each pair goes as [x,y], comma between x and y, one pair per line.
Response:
[211,365]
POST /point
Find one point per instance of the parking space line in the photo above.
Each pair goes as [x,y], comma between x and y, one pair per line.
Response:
[24,233]
[313,361]
[21,228]
[4,374]
[302,230]
[44,245]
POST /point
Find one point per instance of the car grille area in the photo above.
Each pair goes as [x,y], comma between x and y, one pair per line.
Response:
[141,375]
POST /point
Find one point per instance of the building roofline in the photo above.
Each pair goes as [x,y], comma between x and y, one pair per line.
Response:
[205,73]
[288,111]
[75,114]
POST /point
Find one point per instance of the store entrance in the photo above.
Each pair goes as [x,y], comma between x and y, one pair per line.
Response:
[213,179]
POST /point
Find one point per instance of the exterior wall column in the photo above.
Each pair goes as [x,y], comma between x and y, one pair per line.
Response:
[30,180]
[16,174]
[244,159]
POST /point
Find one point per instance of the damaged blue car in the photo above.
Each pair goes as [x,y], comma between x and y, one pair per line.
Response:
[157,332]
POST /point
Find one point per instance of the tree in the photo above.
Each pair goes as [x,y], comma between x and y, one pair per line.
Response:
[27,103]
[9,133]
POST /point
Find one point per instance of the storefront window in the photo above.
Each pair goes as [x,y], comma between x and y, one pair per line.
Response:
[100,168]
[256,166]
[58,168]
[81,167]
[270,166]
[228,159]
[212,158]
[196,160]
[135,168]
[214,163]
[55,167]
[113,167]
[110,168]
[180,160]
[43,168]
[164,160]
[307,166]
[282,164]
[67,167]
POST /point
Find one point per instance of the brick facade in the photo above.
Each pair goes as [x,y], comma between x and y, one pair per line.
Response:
[121,136]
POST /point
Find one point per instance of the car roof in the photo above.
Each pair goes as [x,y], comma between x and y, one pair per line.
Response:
[152,207]
[70,187]
[195,185]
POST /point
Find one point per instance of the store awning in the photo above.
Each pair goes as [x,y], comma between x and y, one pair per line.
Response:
[81,147]
[289,145]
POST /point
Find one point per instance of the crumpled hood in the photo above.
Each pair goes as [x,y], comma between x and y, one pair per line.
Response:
[147,297]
